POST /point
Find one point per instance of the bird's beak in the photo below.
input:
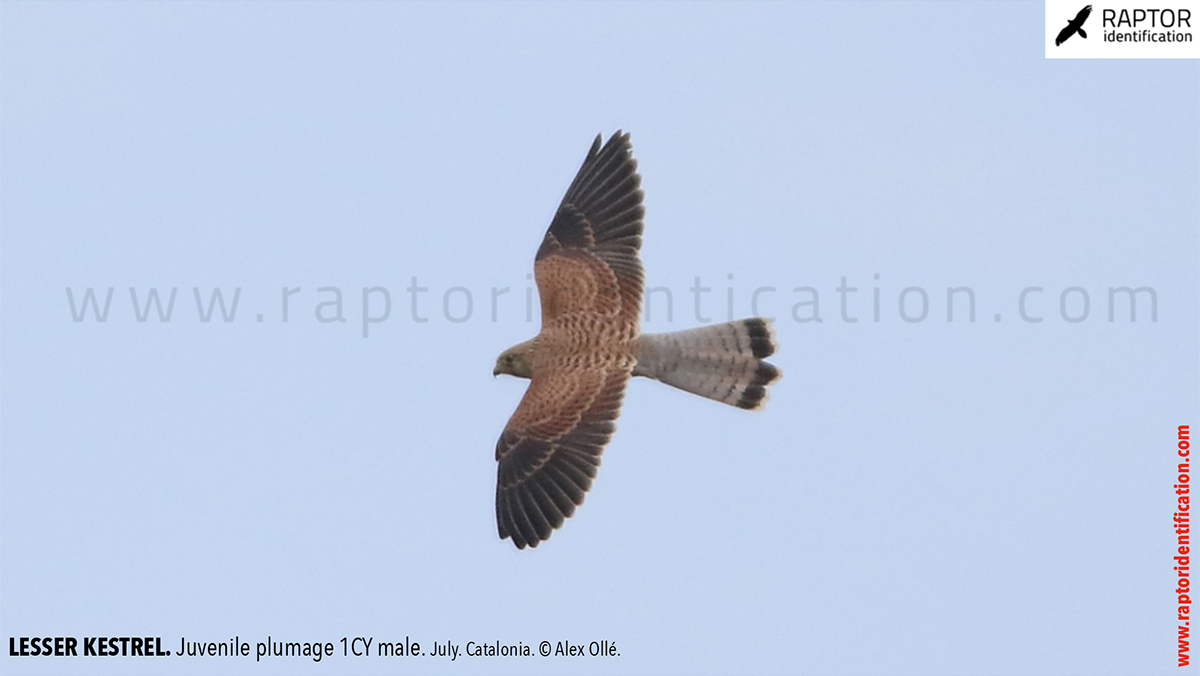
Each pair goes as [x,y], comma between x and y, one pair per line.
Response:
[495,371]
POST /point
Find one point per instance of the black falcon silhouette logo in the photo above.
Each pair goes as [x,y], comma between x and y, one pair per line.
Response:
[1074,26]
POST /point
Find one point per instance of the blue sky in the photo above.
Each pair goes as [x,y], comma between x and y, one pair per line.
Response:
[925,496]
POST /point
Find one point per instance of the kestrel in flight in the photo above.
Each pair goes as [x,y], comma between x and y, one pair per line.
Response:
[590,282]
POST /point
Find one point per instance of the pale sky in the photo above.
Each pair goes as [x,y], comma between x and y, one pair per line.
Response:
[919,495]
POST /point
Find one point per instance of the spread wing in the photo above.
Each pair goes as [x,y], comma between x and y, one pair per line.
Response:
[550,450]
[588,261]
[587,269]
[1073,25]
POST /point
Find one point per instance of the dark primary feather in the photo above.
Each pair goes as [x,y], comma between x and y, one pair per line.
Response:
[602,209]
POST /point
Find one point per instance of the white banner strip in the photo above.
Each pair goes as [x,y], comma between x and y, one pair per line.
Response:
[1123,29]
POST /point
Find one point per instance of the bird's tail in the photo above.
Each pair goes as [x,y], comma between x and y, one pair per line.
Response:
[723,362]
[1081,32]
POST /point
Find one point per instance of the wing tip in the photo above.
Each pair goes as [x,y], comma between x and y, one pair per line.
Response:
[617,138]
[521,519]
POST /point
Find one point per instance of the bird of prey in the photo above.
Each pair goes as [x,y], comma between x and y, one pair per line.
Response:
[590,282]
[1074,26]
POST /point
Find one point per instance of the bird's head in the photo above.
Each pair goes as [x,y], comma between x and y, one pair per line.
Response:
[515,361]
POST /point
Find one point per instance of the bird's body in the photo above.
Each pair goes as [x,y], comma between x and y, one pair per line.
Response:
[590,281]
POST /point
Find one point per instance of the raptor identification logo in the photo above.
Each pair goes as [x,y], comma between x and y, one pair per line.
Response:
[1122,29]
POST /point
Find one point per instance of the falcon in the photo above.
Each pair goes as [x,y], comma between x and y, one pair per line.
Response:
[590,282]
